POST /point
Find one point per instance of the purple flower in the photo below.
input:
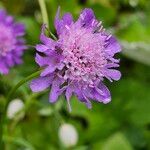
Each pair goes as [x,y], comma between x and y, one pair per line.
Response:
[11,42]
[78,61]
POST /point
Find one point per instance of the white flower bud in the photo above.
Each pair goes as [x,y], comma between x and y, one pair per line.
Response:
[14,107]
[68,135]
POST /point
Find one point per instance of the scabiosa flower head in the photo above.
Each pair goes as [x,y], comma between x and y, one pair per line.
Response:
[78,61]
[11,42]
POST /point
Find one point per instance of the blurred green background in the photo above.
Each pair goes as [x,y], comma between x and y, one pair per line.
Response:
[123,124]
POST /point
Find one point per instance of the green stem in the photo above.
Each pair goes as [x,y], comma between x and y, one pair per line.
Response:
[45,16]
[28,78]
[53,36]
[44,12]
[8,99]
[1,129]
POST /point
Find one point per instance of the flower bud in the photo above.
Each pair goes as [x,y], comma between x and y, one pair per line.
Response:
[14,107]
[68,135]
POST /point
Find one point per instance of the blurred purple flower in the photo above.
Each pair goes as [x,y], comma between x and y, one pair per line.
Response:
[78,61]
[11,42]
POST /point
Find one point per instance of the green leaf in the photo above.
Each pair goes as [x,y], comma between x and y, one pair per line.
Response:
[81,148]
[139,51]
[20,142]
[135,28]
[117,142]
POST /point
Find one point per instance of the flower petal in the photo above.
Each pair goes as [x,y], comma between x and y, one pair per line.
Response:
[41,48]
[48,70]
[54,62]
[44,39]
[9,20]
[86,17]
[2,14]
[81,96]
[41,83]
[67,19]
[12,44]
[3,68]
[55,90]
[19,29]
[113,47]
[104,92]
[98,93]
[69,92]
[60,23]
[114,74]
[41,61]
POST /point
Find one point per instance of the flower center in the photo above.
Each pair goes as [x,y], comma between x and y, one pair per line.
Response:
[6,40]
[83,54]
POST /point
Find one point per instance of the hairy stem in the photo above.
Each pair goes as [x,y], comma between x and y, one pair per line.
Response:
[44,12]
[8,99]
[28,78]
[45,16]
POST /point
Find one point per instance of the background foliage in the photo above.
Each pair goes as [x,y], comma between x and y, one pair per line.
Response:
[124,124]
